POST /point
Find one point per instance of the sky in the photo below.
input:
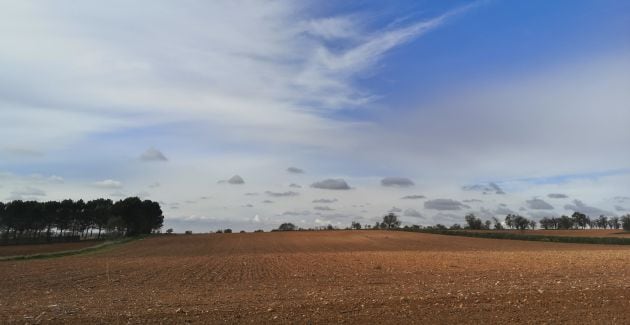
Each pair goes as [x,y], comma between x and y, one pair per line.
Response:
[248,114]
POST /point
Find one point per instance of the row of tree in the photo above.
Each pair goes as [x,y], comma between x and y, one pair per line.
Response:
[68,218]
[582,221]
[577,220]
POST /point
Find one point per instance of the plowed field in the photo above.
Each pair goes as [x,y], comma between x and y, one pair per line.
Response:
[323,277]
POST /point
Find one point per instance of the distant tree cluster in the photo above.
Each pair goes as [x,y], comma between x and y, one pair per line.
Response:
[515,221]
[581,221]
[68,218]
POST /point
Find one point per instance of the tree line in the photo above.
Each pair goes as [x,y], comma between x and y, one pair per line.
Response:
[22,220]
[577,220]
[581,221]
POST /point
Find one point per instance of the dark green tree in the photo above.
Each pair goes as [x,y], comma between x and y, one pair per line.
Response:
[287,226]
[390,221]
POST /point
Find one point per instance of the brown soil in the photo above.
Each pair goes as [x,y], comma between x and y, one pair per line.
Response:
[323,277]
[14,250]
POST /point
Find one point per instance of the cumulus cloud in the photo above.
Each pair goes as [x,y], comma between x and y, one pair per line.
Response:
[325,201]
[413,197]
[338,217]
[557,196]
[236,180]
[542,214]
[396,182]
[412,213]
[153,154]
[53,179]
[579,206]
[282,194]
[538,204]
[443,217]
[145,194]
[395,210]
[484,188]
[296,213]
[484,213]
[24,152]
[502,210]
[28,192]
[118,194]
[108,183]
[444,204]
[323,208]
[293,185]
[331,184]
[295,170]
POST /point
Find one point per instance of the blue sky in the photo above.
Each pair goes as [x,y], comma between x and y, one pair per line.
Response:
[456,96]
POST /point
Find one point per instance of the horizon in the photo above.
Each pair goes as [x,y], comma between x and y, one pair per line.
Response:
[248,115]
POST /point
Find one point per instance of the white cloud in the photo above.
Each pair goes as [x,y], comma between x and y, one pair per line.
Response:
[331,28]
[108,184]
[27,192]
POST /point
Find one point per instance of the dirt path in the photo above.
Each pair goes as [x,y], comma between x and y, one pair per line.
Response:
[16,250]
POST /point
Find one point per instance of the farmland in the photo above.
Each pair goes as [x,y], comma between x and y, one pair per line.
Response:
[325,276]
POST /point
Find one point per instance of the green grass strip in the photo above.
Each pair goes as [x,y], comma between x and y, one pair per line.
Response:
[543,238]
[85,250]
